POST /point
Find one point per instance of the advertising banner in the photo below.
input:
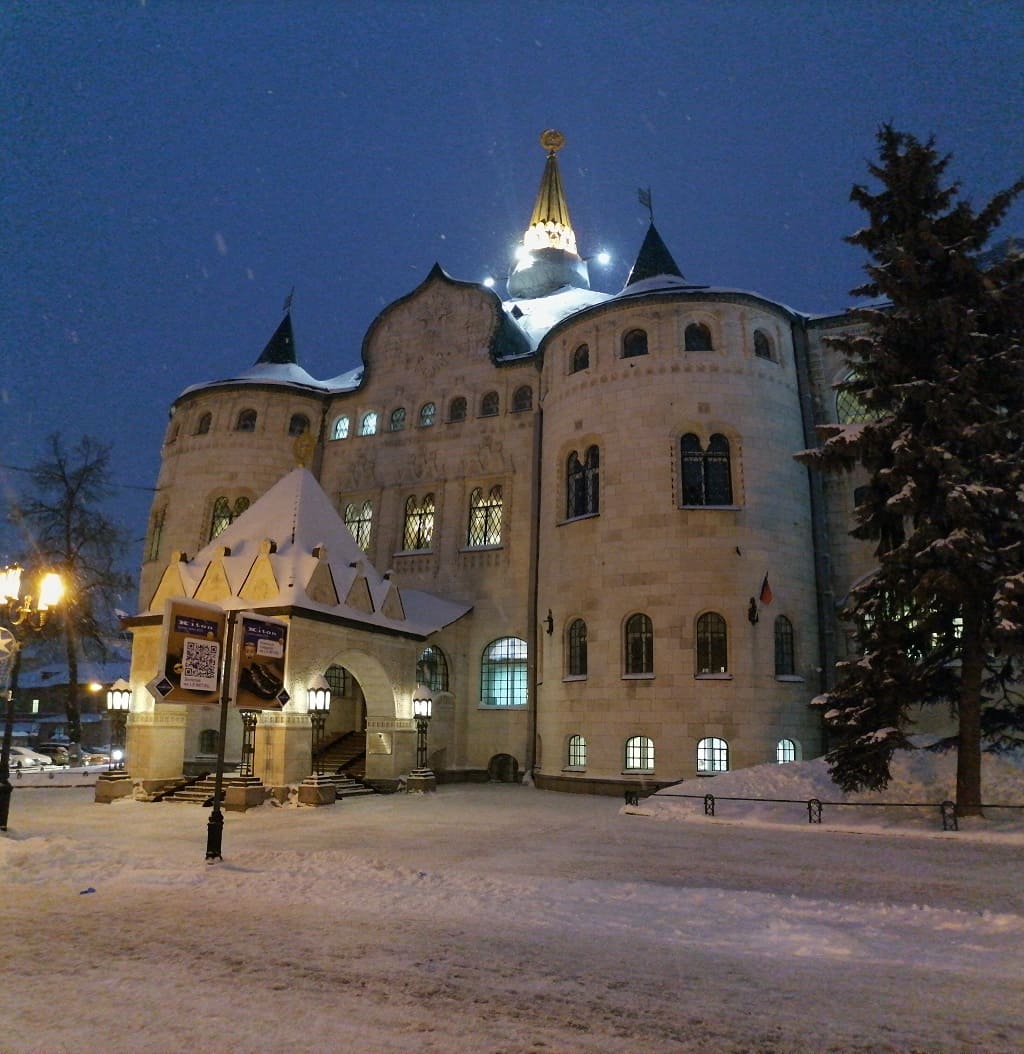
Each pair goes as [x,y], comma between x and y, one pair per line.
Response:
[193,648]
[260,645]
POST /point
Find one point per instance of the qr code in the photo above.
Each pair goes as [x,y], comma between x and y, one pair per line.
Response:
[199,662]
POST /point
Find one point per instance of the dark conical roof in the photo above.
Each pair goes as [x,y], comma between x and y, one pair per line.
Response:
[280,349]
[653,259]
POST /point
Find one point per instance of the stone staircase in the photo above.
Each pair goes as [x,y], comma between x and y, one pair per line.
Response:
[344,761]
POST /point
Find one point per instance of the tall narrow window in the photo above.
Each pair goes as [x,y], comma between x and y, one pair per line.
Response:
[397,420]
[712,644]
[634,343]
[697,337]
[503,673]
[639,645]
[457,409]
[489,405]
[246,421]
[432,669]
[428,411]
[340,680]
[484,517]
[576,666]
[204,424]
[419,522]
[576,753]
[712,755]
[220,518]
[298,425]
[785,664]
[156,532]
[359,520]
[341,427]
[368,424]
[707,475]
[583,483]
[762,344]
[580,358]
[640,754]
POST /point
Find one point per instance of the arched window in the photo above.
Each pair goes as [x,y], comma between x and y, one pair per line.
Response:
[762,344]
[359,520]
[419,522]
[246,421]
[484,517]
[712,755]
[583,491]
[340,681]
[785,751]
[576,649]
[639,645]
[224,513]
[503,673]
[298,425]
[785,664]
[707,475]
[209,741]
[697,337]
[522,399]
[639,754]
[580,359]
[428,411]
[341,427]
[368,424]
[576,752]
[634,343]
[203,425]
[489,405]
[397,420]
[457,409]
[712,644]
[850,410]
[432,669]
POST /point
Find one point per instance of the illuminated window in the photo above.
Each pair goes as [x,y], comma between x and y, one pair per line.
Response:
[359,520]
[457,409]
[707,474]
[224,513]
[576,753]
[397,421]
[428,411]
[576,648]
[697,337]
[341,427]
[432,669]
[368,425]
[489,405]
[583,484]
[712,755]
[419,522]
[785,751]
[581,358]
[484,517]
[640,754]
[712,644]
[762,345]
[849,408]
[634,343]
[503,673]
[639,645]
[246,421]
[785,664]
[203,425]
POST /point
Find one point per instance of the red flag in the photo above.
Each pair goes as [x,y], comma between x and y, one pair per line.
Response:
[766,591]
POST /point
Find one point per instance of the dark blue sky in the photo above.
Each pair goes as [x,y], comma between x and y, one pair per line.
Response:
[172,170]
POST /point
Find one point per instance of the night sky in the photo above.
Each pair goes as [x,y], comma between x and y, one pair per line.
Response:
[172,170]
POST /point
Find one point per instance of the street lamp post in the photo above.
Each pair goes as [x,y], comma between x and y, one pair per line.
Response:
[318,698]
[421,778]
[18,614]
[119,703]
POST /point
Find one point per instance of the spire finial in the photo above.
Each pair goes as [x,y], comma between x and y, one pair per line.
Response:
[552,141]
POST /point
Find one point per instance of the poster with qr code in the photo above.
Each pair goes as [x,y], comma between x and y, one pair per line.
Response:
[193,651]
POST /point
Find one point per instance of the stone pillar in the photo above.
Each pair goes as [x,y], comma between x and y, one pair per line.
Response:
[156,745]
[284,743]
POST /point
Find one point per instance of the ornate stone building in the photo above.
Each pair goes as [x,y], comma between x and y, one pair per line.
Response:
[576,516]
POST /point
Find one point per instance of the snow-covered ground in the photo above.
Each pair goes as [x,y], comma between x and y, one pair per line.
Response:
[506,919]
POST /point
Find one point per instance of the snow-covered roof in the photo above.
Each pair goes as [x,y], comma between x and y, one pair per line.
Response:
[536,317]
[291,549]
[287,373]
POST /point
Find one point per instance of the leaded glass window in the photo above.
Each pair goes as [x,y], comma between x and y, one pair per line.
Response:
[707,474]
[503,673]
[484,517]
[397,420]
[368,424]
[639,645]
[341,427]
[428,411]
[419,522]
[359,521]
[583,483]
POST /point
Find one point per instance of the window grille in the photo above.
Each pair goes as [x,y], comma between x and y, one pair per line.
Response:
[484,517]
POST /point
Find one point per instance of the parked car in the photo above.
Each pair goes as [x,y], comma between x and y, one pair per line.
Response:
[23,758]
[59,752]
[94,756]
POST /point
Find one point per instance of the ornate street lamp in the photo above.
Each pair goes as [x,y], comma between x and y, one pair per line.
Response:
[119,703]
[18,614]
[318,700]
[422,706]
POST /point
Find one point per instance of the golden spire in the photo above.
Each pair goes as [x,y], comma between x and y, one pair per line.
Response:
[550,226]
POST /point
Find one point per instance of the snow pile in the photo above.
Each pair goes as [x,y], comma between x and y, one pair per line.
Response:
[920,778]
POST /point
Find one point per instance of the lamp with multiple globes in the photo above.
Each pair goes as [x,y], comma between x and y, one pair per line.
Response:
[422,707]
[119,703]
[318,702]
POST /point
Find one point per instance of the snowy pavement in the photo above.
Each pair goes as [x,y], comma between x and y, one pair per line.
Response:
[501,919]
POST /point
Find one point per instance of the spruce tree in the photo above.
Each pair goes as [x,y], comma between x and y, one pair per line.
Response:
[939,372]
